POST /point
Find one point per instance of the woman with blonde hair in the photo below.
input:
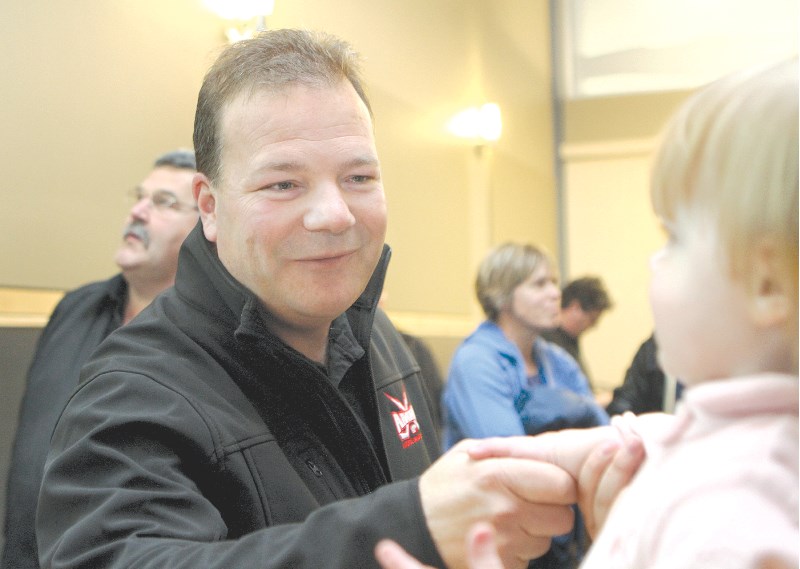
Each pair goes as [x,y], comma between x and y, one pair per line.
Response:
[505,379]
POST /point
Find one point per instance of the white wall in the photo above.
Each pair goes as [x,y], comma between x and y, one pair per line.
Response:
[611,232]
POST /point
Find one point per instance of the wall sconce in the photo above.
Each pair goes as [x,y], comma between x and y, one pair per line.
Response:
[248,17]
[482,124]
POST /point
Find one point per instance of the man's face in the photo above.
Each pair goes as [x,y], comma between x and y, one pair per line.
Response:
[298,212]
[153,235]
[575,320]
[535,301]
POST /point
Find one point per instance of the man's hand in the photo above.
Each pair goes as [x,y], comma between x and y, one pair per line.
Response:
[481,552]
[602,461]
[526,502]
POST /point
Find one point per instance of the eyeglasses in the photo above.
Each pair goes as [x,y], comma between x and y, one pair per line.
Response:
[162,200]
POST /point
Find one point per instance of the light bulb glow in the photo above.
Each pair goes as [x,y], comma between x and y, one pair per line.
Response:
[490,124]
[484,123]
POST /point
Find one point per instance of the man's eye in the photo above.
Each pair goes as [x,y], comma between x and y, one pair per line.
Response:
[360,179]
[162,199]
[283,186]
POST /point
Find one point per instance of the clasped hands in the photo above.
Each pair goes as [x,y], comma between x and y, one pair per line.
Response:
[496,503]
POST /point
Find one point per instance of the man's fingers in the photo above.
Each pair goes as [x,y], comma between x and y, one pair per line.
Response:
[533,481]
[482,548]
[480,544]
[546,520]
[603,460]
[537,448]
[567,449]
[391,556]
[525,501]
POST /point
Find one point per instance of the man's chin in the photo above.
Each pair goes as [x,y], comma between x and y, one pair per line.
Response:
[326,307]
[329,308]
[128,260]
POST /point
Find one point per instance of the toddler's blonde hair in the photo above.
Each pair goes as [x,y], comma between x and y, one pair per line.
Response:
[730,153]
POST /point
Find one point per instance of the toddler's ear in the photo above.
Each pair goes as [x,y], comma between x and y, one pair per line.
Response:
[770,287]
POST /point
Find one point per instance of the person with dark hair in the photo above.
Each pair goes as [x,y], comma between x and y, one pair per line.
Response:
[583,301]
[264,412]
[162,214]
[646,388]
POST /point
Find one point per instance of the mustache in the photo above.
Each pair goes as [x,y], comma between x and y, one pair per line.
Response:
[138,230]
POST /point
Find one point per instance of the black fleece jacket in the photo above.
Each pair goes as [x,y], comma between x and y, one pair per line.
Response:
[198,439]
[83,319]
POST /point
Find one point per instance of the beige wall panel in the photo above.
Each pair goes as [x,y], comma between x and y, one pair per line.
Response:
[624,117]
[524,213]
[27,307]
[611,232]
[517,66]
[94,91]
[427,198]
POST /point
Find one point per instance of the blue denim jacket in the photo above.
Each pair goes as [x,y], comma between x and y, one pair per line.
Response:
[488,394]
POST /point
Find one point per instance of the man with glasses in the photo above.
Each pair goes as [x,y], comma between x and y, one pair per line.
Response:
[162,215]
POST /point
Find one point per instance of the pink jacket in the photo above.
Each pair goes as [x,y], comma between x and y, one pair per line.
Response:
[719,488]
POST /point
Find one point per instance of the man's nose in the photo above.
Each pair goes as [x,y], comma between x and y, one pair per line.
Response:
[328,210]
[141,209]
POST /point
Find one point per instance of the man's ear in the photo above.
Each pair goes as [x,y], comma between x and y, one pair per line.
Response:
[770,287]
[205,197]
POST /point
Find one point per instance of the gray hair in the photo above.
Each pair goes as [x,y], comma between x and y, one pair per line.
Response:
[181,158]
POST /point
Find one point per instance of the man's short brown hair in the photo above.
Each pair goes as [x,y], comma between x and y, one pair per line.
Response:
[271,61]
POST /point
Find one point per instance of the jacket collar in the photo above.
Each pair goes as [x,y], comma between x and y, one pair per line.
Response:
[204,281]
[490,334]
[115,296]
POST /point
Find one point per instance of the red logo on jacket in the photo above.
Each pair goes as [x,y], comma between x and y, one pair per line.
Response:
[405,420]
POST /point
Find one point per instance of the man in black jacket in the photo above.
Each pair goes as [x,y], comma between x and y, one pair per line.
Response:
[646,388]
[162,214]
[263,412]
[583,302]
